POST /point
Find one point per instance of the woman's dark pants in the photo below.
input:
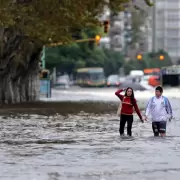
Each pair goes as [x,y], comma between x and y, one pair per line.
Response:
[123,120]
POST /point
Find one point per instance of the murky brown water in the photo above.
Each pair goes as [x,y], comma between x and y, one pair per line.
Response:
[86,147]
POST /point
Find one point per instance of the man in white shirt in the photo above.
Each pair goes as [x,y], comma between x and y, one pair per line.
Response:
[159,110]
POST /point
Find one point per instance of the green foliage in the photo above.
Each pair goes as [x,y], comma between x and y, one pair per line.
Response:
[150,60]
[69,58]
[53,20]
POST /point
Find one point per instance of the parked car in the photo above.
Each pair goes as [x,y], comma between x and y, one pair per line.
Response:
[113,80]
[135,86]
[154,81]
[63,81]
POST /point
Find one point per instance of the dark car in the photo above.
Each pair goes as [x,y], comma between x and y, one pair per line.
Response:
[113,80]
[135,86]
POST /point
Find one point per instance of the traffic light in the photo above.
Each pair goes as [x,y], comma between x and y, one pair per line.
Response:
[139,57]
[161,57]
[97,39]
[44,74]
[106,26]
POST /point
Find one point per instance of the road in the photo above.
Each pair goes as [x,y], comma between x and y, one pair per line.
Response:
[102,94]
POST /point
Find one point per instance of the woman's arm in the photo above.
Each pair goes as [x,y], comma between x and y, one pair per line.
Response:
[117,93]
[137,109]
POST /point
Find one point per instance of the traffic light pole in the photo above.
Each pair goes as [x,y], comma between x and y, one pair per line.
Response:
[43,57]
[76,41]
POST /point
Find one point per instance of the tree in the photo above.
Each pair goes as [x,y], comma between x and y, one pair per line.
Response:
[149,60]
[47,20]
[26,25]
[113,62]
[68,58]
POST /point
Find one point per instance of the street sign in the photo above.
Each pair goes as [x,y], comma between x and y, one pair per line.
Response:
[45,88]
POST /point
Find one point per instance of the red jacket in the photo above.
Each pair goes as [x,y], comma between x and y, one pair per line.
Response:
[127,106]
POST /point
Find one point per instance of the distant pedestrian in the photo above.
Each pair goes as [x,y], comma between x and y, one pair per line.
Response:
[126,113]
[160,111]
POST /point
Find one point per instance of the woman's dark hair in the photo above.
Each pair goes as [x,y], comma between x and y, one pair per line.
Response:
[159,88]
[132,95]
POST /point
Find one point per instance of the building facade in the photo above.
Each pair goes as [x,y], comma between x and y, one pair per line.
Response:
[167,27]
[119,36]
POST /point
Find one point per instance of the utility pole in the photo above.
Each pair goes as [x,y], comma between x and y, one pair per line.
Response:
[43,57]
[154,27]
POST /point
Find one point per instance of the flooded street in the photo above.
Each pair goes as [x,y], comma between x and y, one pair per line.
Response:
[86,147]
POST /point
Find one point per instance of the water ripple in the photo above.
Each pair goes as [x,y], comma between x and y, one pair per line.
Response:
[86,147]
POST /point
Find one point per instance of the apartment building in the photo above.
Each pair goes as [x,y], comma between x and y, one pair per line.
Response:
[119,36]
[167,27]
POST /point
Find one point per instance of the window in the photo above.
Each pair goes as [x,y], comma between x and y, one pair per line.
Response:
[173,1]
[159,4]
[97,76]
[172,14]
[172,17]
[160,33]
[160,24]
[172,42]
[160,43]
[172,24]
[173,52]
[172,33]
[172,4]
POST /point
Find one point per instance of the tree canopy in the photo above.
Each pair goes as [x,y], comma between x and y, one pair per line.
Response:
[54,20]
[79,55]
[149,60]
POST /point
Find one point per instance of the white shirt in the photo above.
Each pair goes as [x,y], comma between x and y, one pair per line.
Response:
[157,111]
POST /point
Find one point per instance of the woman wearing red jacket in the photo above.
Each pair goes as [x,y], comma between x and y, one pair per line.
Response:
[126,114]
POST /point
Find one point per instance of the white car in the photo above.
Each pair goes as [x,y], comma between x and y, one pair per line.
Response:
[63,81]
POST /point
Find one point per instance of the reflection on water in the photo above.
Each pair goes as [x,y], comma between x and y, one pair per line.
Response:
[86,147]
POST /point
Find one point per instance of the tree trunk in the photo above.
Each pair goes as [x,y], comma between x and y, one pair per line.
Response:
[19,57]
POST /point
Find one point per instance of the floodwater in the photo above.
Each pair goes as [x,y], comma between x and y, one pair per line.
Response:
[86,147]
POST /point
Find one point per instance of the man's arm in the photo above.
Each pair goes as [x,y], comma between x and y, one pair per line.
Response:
[148,108]
[169,109]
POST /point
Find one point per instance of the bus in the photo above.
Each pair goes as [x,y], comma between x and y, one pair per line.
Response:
[91,77]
